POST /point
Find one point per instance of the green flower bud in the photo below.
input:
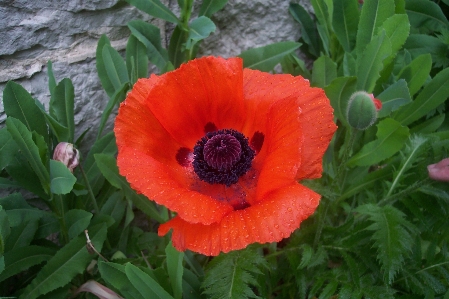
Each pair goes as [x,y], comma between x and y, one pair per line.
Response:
[361,112]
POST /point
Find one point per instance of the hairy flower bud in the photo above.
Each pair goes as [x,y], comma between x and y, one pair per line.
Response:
[362,110]
[67,154]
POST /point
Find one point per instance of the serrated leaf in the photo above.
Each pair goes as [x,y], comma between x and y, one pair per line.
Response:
[156,9]
[392,239]
[76,222]
[307,253]
[136,59]
[323,72]
[107,165]
[199,29]
[62,179]
[309,32]
[391,137]
[21,235]
[144,284]
[23,138]
[425,13]
[397,29]
[230,275]
[433,94]
[417,72]
[209,7]
[395,96]
[265,58]
[68,262]
[150,36]
[345,20]
[370,63]
[19,104]
[62,105]
[175,269]
[24,258]
[373,14]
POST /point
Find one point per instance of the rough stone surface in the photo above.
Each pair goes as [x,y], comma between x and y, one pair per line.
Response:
[66,32]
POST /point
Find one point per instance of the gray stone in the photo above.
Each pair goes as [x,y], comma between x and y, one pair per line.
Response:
[66,32]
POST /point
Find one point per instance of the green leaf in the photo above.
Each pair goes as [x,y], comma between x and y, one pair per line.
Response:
[156,9]
[118,96]
[433,95]
[293,65]
[19,211]
[114,275]
[51,77]
[391,237]
[426,14]
[309,32]
[68,262]
[199,29]
[175,269]
[345,21]
[419,44]
[370,63]
[265,58]
[231,275]
[339,92]
[209,7]
[115,67]
[62,105]
[373,14]
[322,13]
[5,230]
[21,235]
[62,180]
[176,51]
[61,133]
[22,259]
[391,137]
[395,96]
[8,148]
[397,29]
[144,284]
[107,165]
[19,104]
[417,72]
[101,66]
[77,221]
[28,148]
[429,126]
[150,36]
[136,59]
[323,72]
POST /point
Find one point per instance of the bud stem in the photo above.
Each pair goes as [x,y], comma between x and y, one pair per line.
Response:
[89,190]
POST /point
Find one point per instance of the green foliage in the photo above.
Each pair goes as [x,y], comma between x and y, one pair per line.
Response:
[230,275]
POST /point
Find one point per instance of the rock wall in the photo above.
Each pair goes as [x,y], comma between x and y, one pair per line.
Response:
[66,32]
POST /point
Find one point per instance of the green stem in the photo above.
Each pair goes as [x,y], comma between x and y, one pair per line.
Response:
[89,189]
[346,155]
[61,214]
[319,229]
[393,198]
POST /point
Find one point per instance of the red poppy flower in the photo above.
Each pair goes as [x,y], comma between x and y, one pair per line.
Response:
[224,147]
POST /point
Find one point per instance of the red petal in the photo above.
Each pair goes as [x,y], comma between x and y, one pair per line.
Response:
[204,90]
[261,90]
[269,221]
[169,187]
[136,127]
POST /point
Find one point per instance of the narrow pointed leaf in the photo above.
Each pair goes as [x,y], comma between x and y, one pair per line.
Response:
[395,96]
[62,105]
[77,221]
[345,21]
[136,59]
[309,32]
[417,72]
[323,72]
[145,284]
[68,262]
[370,63]
[391,137]
[175,269]
[209,7]
[23,138]
[425,13]
[19,104]
[115,276]
[199,29]
[51,77]
[101,66]
[373,14]
[156,9]
[8,148]
[339,92]
[265,58]
[433,94]
[117,97]
[115,67]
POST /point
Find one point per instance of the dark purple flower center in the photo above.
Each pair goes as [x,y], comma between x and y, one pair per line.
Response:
[222,157]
